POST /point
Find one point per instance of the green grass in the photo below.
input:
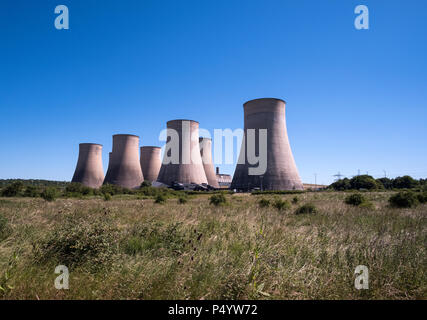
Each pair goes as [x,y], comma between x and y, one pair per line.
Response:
[132,248]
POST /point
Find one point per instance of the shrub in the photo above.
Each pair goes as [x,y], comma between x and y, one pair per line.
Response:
[160,199]
[49,194]
[264,203]
[13,190]
[182,200]
[31,191]
[363,182]
[355,199]
[107,197]
[406,199]
[280,204]
[306,208]
[295,200]
[77,242]
[77,189]
[422,197]
[218,199]
[146,183]
[405,182]
[111,189]
[341,185]
[386,183]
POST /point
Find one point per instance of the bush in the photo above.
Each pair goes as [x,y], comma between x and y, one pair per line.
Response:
[280,204]
[363,182]
[386,183]
[182,200]
[107,197]
[146,183]
[341,185]
[405,182]
[77,242]
[160,199]
[422,197]
[264,203]
[295,200]
[49,194]
[218,199]
[31,191]
[404,200]
[112,189]
[306,208]
[13,190]
[355,199]
[77,189]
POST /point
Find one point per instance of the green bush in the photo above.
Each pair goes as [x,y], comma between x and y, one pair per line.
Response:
[355,199]
[280,204]
[264,203]
[406,199]
[49,194]
[405,182]
[160,199]
[77,242]
[13,190]
[182,200]
[31,191]
[113,189]
[295,200]
[341,185]
[75,189]
[146,183]
[422,197]
[306,208]
[107,197]
[363,182]
[218,199]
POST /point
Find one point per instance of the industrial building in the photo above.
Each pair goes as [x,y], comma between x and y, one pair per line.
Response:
[206,154]
[150,162]
[125,169]
[281,172]
[89,170]
[182,162]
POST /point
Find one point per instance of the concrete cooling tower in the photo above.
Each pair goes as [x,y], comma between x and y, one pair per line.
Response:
[124,169]
[89,169]
[182,161]
[281,172]
[151,162]
[206,154]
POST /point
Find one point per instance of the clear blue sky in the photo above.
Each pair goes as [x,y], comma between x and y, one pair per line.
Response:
[355,99]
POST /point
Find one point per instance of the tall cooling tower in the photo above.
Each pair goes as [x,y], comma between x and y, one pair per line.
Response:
[182,161]
[206,154]
[89,169]
[124,169]
[150,162]
[281,172]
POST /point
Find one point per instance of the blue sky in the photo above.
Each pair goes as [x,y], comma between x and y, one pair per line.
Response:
[356,99]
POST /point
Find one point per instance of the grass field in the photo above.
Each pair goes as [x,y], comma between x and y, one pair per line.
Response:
[129,248]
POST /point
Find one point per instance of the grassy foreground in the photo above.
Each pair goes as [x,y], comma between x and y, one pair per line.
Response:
[129,248]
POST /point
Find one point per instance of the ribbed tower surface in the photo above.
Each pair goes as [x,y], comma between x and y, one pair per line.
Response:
[89,170]
[150,162]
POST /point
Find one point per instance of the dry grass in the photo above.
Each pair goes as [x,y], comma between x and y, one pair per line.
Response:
[137,249]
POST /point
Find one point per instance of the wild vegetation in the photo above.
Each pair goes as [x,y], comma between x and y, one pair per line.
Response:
[131,247]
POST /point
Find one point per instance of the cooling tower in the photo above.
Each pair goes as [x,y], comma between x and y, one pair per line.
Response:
[150,162]
[182,161]
[281,172]
[89,169]
[124,168]
[206,154]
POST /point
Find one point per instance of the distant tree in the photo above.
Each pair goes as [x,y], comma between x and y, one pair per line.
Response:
[363,182]
[341,185]
[405,182]
[386,183]
[13,190]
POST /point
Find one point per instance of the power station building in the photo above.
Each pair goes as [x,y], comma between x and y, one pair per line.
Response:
[89,170]
[206,154]
[281,172]
[182,161]
[124,168]
[150,162]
